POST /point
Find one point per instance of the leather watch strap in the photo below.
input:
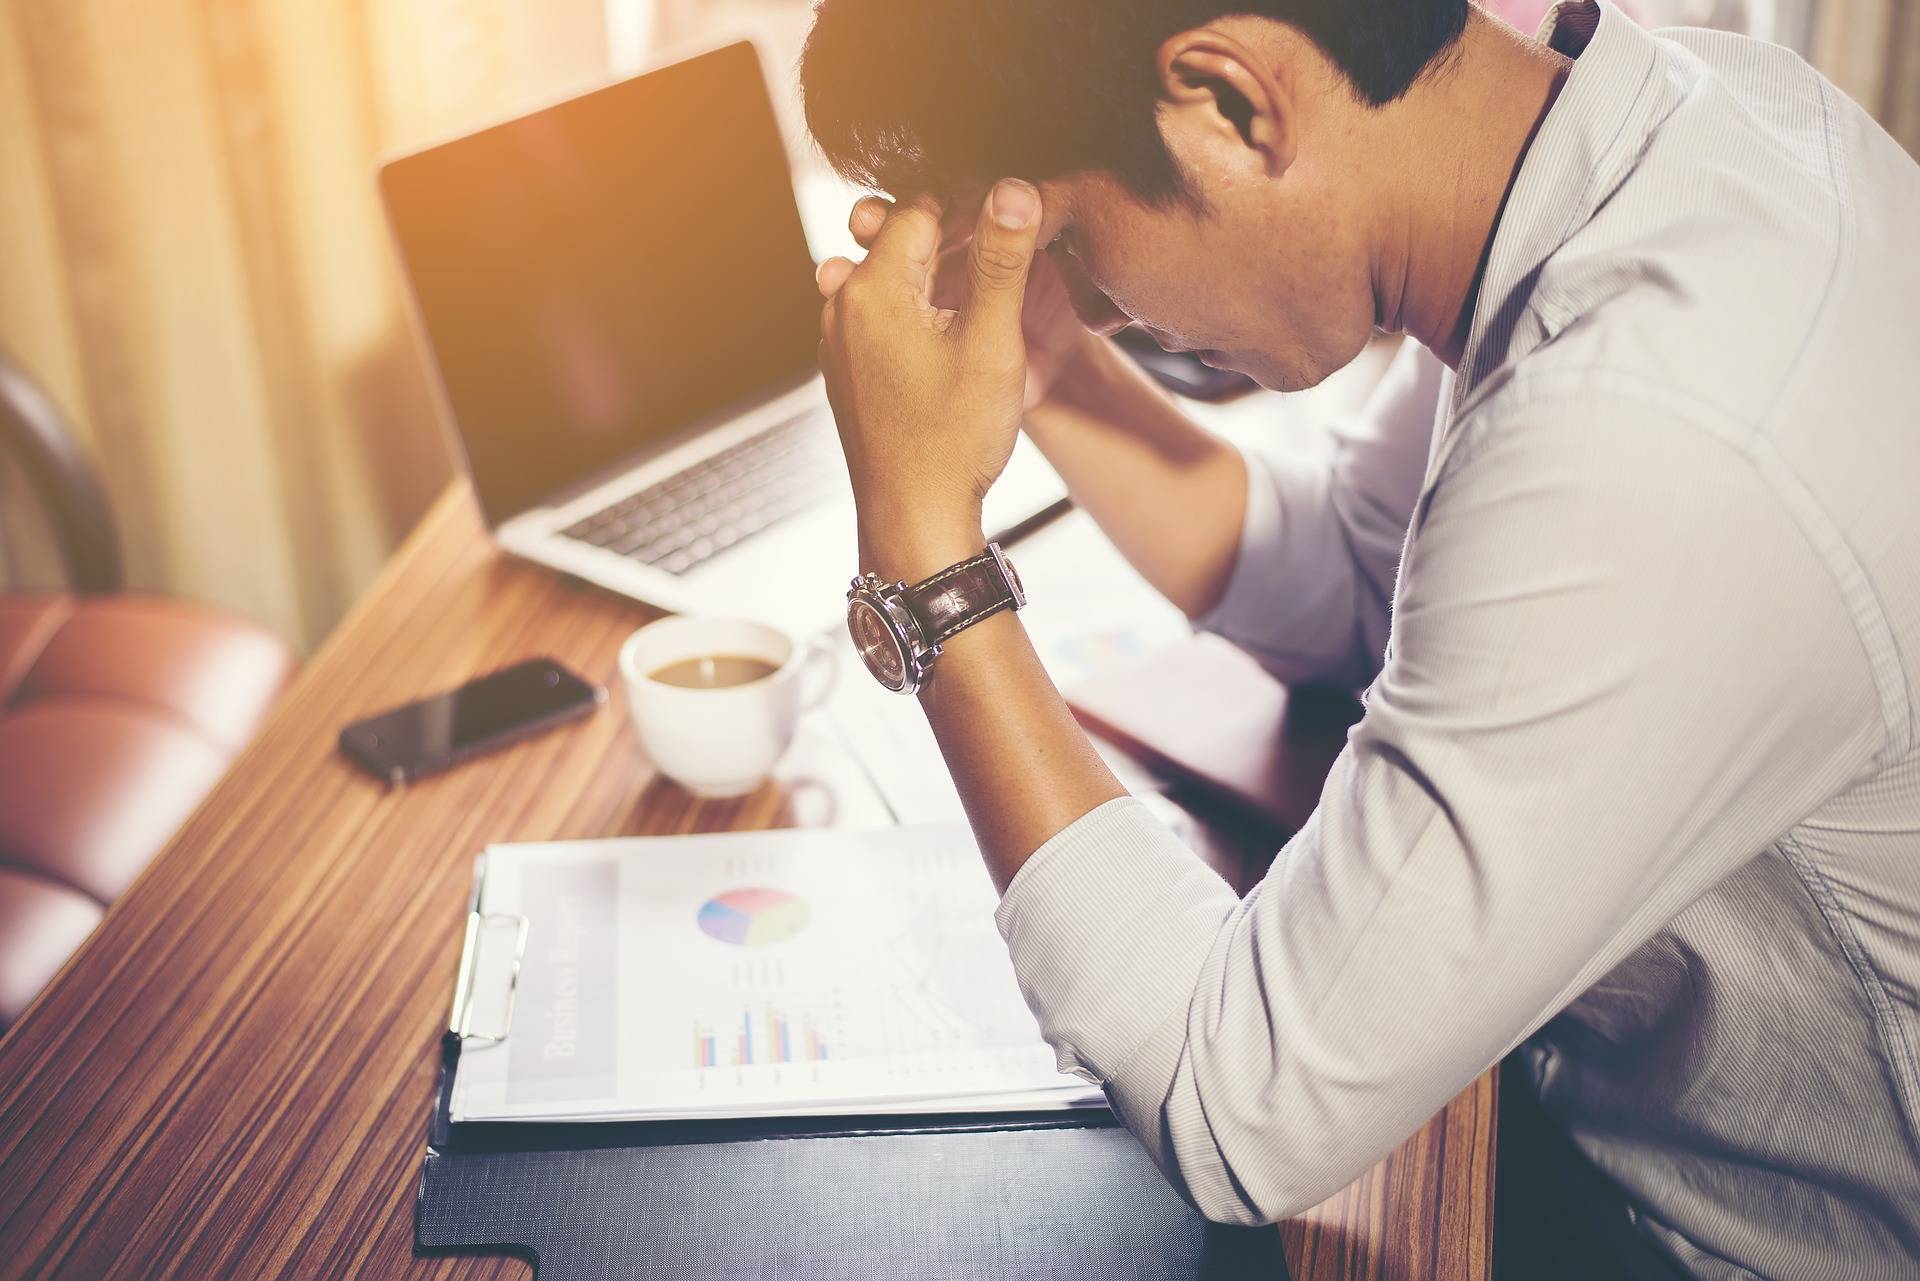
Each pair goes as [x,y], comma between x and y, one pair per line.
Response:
[959,596]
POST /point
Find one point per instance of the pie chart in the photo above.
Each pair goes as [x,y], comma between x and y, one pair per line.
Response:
[753,916]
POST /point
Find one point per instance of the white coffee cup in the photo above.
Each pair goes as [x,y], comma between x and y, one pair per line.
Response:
[724,741]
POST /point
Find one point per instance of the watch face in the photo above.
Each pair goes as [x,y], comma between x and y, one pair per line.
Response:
[879,648]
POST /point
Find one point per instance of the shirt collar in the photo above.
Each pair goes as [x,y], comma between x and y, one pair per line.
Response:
[1578,158]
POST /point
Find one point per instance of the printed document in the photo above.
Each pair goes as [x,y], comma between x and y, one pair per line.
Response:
[750,973]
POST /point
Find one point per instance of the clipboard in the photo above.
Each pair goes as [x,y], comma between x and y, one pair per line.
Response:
[1006,1197]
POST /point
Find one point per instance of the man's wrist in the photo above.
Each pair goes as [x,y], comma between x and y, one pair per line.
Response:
[899,551]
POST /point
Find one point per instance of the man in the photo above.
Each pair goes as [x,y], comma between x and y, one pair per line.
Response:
[1633,582]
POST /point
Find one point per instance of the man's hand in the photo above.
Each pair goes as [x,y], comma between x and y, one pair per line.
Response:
[928,399]
[1054,333]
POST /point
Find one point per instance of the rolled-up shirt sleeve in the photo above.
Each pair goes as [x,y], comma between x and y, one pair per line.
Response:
[1620,669]
[1312,583]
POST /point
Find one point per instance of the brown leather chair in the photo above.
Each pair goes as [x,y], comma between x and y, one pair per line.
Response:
[118,712]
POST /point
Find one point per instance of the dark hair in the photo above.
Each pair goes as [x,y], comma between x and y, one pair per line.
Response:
[908,96]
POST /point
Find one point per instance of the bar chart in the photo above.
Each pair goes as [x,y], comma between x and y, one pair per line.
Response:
[769,1036]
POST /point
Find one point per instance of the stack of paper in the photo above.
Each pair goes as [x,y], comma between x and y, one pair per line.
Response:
[756,973]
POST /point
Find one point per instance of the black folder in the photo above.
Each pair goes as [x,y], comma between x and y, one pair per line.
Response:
[994,1196]
[1001,1197]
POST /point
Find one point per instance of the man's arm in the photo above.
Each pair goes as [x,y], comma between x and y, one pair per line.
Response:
[1166,491]
[1311,593]
[1292,558]
[929,402]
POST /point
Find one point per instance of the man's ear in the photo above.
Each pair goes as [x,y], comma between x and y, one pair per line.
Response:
[1214,87]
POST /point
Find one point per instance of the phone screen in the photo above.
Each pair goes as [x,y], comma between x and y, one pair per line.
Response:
[491,711]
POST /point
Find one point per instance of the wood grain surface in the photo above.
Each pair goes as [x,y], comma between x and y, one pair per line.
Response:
[232,1078]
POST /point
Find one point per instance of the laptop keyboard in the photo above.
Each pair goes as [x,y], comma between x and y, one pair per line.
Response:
[694,515]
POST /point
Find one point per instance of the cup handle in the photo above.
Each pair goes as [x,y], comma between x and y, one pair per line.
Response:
[821,668]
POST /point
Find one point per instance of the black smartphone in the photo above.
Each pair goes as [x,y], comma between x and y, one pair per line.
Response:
[491,711]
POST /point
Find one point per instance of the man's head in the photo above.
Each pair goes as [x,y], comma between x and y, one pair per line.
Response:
[1195,157]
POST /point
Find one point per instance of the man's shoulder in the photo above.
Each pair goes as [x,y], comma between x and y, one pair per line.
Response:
[1705,271]
[1746,257]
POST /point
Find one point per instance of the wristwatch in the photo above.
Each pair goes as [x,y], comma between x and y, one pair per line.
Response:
[899,629]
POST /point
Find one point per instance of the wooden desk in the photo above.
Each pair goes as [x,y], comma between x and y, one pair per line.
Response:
[232,1078]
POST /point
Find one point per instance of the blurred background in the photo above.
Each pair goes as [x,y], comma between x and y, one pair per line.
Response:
[193,262]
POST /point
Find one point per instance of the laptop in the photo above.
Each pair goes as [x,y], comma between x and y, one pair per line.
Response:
[617,296]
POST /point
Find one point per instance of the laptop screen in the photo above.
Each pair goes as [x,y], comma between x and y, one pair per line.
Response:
[607,272]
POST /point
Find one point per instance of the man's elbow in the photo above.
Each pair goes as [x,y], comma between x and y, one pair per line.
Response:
[1237,1212]
[1255,1193]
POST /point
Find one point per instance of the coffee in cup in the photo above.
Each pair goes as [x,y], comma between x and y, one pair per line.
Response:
[716,702]
[714,671]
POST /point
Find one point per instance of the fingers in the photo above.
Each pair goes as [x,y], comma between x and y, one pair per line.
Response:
[864,223]
[943,262]
[1004,242]
[832,274]
[950,277]
[869,215]
[905,247]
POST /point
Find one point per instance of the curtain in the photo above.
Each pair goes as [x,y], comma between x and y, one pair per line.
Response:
[194,263]
[1871,50]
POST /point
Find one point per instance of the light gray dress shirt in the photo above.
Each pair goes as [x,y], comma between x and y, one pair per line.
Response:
[1637,779]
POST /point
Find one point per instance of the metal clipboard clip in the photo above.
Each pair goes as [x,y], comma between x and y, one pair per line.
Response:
[466,985]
